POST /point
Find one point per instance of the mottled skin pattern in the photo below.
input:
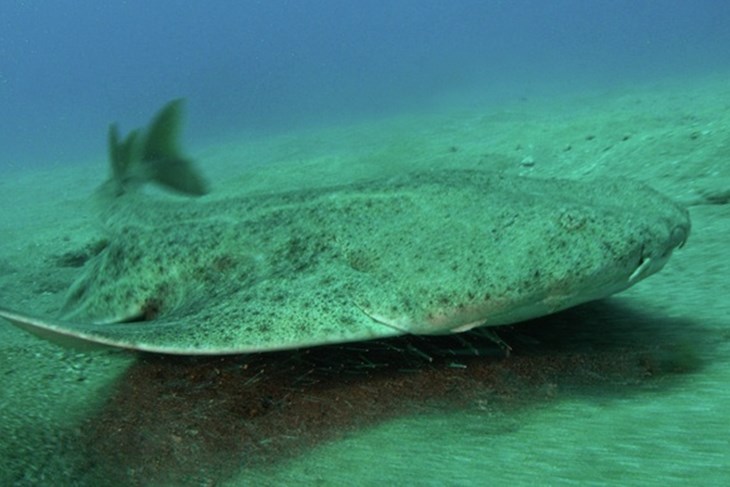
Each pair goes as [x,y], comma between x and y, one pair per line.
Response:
[426,252]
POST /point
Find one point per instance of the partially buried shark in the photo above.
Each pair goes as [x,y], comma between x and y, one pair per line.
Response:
[425,252]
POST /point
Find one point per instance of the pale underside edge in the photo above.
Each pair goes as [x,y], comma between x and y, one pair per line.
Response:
[72,335]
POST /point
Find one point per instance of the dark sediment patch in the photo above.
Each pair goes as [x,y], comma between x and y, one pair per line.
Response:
[198,421]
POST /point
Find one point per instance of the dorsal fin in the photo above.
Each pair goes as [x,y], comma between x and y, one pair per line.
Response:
[162,133]
[154,156]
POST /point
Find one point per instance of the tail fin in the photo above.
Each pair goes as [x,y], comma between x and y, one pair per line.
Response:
[154,156]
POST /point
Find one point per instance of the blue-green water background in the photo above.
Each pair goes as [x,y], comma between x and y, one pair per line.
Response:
[69,67]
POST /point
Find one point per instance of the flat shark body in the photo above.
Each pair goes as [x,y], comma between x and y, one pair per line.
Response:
[427,252]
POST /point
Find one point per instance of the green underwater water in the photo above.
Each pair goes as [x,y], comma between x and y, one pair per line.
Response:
[629,390]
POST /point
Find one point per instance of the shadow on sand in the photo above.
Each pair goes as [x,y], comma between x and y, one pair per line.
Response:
[197,421]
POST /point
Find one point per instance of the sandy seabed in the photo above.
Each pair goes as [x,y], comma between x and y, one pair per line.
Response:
[629,390]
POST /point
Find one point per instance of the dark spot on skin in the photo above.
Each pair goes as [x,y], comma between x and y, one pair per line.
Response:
[223,263]
[151,309]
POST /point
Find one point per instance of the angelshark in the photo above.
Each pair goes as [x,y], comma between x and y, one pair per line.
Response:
[426,252]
